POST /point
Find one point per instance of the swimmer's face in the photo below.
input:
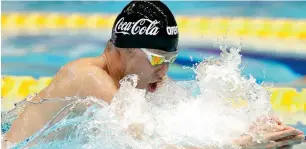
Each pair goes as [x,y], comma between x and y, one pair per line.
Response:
[150,69]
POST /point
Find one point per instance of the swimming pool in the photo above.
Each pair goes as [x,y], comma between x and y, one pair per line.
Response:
[43,55]
[40,56]
[252,9]
[52,52]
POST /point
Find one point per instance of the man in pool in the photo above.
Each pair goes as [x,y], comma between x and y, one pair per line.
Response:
[144,41]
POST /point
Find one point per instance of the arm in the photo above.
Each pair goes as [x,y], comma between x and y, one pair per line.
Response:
[286,137]
[35,116]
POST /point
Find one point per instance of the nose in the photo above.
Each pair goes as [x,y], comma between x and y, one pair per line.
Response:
[162,71]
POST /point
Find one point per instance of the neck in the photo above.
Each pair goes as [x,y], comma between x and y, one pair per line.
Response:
[113,65]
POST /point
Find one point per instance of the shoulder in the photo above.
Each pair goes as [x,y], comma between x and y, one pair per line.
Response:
[81,68]
[83,79]
[96,82]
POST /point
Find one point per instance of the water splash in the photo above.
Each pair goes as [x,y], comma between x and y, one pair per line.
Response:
[177,114]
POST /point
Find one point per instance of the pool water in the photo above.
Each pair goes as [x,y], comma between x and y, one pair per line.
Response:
[43,55]
[204,8]
[62,51]
[28,55]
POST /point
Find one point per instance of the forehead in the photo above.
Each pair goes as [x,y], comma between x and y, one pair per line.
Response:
[161,52]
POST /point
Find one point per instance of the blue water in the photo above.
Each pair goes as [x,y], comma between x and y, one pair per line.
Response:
[43,55]
[273,9]
[61,50]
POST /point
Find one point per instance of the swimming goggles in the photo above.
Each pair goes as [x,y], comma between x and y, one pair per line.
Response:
[156,59]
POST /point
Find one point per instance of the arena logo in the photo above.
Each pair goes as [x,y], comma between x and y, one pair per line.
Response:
[172,30]
[137,27]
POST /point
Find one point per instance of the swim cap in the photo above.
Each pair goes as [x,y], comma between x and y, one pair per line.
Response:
[145,24]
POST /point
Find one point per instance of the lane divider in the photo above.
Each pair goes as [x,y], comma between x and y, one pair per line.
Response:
[194,26]
[19,87]
[288,99]
[16,88]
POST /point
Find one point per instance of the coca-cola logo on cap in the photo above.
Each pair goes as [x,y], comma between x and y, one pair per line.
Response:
[137,27]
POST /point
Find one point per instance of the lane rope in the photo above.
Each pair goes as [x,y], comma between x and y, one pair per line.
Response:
[19,87]
[194,26]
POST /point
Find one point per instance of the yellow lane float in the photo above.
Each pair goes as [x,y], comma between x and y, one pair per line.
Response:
[19,87]
[197,26]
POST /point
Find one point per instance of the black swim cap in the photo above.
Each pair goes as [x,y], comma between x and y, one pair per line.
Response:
[145,24]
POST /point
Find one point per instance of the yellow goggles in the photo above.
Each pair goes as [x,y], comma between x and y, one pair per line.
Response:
[156,59]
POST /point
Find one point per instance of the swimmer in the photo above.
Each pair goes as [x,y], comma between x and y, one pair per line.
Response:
[144,41]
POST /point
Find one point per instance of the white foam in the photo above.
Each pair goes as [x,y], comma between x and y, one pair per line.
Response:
[171,116]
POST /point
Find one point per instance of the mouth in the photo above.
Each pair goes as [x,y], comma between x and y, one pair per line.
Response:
[152,87]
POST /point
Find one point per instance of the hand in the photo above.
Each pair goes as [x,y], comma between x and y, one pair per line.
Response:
[287,127]
[283,139]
